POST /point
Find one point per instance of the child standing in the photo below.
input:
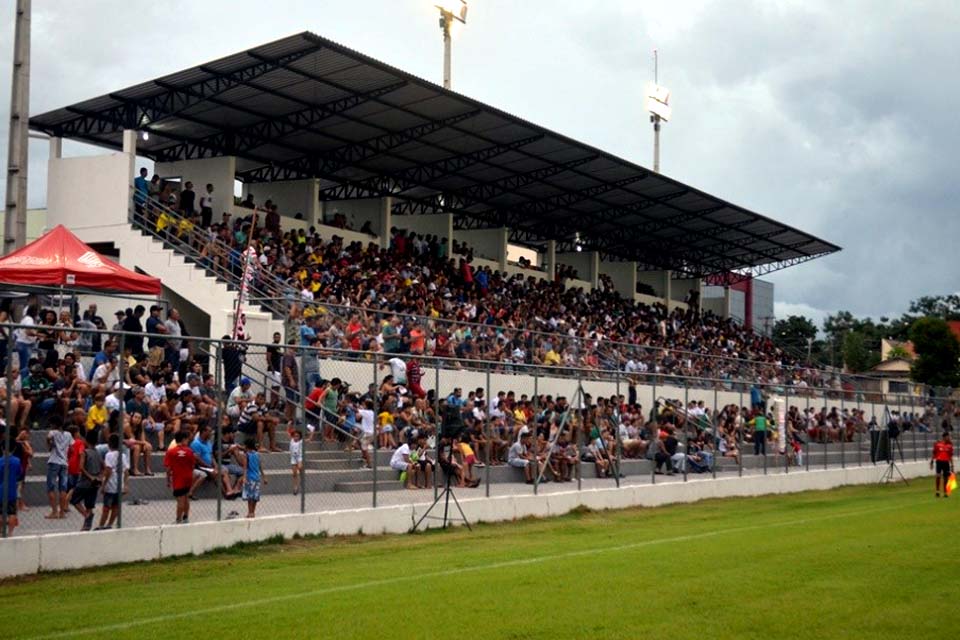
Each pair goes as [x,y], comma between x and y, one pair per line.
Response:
[113,466]
[296,458]
[252,477]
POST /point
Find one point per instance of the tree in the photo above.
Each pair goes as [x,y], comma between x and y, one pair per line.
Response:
[898,351]
[938,353]
[856,355]
[945,307]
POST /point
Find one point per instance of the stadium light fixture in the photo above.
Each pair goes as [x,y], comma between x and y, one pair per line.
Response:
[658,105]
[450,12]
[145,135]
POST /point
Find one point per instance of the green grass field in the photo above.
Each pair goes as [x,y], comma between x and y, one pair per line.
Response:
[876,562]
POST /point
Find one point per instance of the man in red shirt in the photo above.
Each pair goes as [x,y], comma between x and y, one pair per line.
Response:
[414,376]
[943,457]
[180,462]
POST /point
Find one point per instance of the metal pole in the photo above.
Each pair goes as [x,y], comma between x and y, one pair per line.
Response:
[445,25]
[859,435]
[580,429]
[656,144]
[786,431]
[686,424]
[15,220]
[121,376]
[716,447]
[823,437]
[376,432]
[619,438]
[436,412]
[913,426]
[487,434]
[654,433]
[218,420]
[8,433]
[306,420]
[740,436]
[843,431]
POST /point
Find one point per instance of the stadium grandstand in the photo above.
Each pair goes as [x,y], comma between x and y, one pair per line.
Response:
[398,254]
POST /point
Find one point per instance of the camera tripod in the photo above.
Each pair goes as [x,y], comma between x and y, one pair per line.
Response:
[894,446]
[444,495]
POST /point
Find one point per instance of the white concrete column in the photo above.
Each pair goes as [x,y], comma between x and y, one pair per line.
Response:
[503,241]
[594,268]
[385,221]
[667,293]
[56,148]
[130,148]
[550,262]
[727,301]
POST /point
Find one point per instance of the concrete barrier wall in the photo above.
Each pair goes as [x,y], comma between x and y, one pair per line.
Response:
[56,552]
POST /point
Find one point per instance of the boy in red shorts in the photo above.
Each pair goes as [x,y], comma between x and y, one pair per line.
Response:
[179,462]
[943,458]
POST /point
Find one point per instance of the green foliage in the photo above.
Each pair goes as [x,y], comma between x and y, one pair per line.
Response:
[938,353]
[856,354]
[945,307]
[898,351]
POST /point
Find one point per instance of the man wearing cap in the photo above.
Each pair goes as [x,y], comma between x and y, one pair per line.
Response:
[239,398]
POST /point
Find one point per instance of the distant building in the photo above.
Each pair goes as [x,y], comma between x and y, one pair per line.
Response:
[749,302]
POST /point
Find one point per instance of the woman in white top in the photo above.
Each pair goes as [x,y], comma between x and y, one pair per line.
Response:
[26,337]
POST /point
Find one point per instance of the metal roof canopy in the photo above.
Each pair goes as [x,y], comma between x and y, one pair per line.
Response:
[306,107]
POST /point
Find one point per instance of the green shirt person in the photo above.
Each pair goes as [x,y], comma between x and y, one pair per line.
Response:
[759,424]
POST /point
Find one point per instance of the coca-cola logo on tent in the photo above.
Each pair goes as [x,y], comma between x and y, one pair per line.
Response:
[28,260]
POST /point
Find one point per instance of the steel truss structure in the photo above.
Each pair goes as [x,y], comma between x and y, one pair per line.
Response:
[307,107]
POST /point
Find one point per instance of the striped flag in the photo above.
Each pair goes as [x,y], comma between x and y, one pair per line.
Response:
[951,483]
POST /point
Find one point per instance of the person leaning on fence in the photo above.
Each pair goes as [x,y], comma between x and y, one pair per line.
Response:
[759,424]
[942,461]
[253,476]
[9,475]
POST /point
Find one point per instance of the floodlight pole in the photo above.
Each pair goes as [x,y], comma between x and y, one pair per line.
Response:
[445,18]
[15,205]
[655,119]
[446,21]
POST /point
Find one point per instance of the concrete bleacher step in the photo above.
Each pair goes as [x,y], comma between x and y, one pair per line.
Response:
[155,487]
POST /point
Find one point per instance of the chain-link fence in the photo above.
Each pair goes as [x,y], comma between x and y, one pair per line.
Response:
[159,428]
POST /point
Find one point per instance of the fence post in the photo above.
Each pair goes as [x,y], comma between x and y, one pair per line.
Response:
[891,443]
[824,437]
[376,432]
[218,421]
[7,451]
[654,433]
[302,380]
[716,446]
[859,423]
[121,375]
[786,444]
[740,438]
[436,412]
[580,429]
[686,425]
[488,435]
[843,431]
[913,426]
[619,438]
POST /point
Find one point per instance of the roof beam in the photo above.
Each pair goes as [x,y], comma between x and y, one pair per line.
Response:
[173,100]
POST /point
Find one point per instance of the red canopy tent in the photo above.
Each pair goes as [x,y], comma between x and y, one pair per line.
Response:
[60,259]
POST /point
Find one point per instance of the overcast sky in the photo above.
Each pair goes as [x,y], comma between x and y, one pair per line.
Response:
[840,118]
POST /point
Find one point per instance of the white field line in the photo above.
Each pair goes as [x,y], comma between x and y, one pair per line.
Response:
[130,624]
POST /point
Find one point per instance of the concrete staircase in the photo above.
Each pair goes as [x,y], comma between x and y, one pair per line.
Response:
[181,275]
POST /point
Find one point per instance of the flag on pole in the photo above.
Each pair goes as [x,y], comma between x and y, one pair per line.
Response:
[951,483]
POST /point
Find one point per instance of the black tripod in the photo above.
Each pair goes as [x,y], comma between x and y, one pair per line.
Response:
[894,446]
[444,456]
[444,495]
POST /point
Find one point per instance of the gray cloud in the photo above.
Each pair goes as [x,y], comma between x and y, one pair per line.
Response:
[836,117]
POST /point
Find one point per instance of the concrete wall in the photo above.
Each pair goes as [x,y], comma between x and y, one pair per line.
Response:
[654,279]
[587,264]
[91,192]
[624,276]
[439,224]
[486,243]
[36,224]
[220,172]
[291,197]
[57,552]
[681,287]
[358,212]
